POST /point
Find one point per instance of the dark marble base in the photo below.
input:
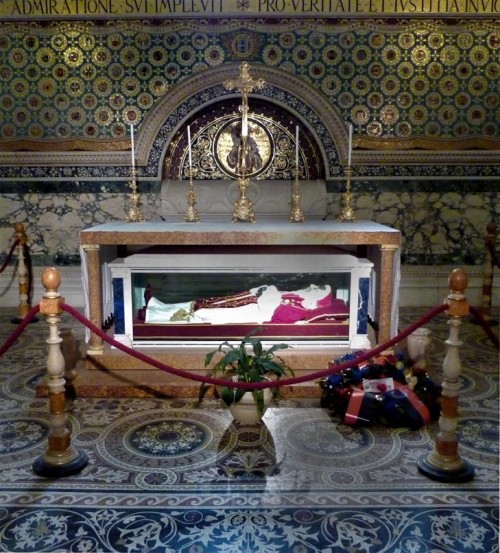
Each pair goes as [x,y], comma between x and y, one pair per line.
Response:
[464,474]
[43,468]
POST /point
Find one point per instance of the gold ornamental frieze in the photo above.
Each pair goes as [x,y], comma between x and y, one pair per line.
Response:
[79,144]
[147,9]
[432,144]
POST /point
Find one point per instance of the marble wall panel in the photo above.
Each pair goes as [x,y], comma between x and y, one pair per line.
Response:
[437,229]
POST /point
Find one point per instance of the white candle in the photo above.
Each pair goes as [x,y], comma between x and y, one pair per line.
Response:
[132,145]
[349,154]
[297,147]
[189,146]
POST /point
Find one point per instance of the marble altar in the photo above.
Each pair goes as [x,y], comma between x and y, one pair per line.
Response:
[364,239]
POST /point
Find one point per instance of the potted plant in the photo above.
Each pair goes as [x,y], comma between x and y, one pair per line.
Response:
[247,361]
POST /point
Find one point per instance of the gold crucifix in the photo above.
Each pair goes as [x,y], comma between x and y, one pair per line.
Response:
[244,84]
[243,210]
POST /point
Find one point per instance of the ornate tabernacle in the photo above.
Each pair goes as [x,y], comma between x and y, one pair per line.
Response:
[195,263]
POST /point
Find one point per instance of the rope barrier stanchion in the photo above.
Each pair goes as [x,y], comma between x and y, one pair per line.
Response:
[61,458]
[22,274]
[487,291]
[252,385]
[444,463]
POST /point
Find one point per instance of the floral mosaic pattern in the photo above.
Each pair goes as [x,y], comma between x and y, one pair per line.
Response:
[17,435]
[481,435]
[166,475]
[168,438]
[410,79]
[239,530]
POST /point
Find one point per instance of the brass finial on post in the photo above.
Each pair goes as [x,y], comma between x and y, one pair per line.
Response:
[444,464]
[61,458]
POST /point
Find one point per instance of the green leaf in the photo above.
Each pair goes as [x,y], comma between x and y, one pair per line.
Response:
[231,356]
[273,367]
[209,356]
[231,395]
[248,337]
[249,362]
[258,396]
[276,347]
[225,344]
[257,347]
[238,394]
[204,387]
[227,395]
[255,374]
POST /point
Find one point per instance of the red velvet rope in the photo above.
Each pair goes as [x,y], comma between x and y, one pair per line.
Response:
[17,332]
[254,385]
[246,385]
[495,260]
[487,328]
[9,255]
[29,269]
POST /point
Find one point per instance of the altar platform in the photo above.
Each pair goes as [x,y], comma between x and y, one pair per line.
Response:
[377,243]
[107,372]
[114,375]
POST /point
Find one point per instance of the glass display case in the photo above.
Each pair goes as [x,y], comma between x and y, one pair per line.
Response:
[294,294]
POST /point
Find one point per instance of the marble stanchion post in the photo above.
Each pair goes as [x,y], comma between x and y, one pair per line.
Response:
[61,458]
[22,274]
[444,463]
[487,292]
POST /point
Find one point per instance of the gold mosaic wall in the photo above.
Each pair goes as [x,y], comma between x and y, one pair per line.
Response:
[411,85]
[414,81]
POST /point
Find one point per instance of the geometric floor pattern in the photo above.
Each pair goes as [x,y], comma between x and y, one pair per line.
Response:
[171,476]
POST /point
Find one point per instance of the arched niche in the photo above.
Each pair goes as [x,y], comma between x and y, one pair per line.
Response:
[203,91]
[278,141]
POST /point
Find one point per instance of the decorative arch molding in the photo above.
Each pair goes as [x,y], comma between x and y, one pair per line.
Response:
[206,88]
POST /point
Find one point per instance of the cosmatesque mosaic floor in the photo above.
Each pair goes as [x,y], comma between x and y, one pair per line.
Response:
[170,476]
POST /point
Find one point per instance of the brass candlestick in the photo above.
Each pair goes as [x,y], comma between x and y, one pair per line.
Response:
[243,209]
[191,215]
[347,214]
[296,213]
[134,212]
